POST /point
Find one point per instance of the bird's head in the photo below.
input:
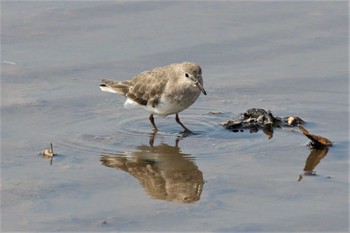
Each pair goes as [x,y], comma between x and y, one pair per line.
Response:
[193,72]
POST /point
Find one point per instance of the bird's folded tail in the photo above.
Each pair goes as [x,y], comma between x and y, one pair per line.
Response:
[115,86]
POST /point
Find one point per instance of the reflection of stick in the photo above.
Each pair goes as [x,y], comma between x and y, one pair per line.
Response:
[317,141]
[315,157]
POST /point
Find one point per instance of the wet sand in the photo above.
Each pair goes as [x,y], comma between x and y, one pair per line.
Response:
[112,174]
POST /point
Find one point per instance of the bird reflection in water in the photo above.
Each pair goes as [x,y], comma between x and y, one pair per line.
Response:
[163,170]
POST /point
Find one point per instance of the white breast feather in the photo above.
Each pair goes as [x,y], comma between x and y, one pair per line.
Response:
[164,107]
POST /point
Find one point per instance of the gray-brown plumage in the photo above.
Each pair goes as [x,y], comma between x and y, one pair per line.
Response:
[162,91]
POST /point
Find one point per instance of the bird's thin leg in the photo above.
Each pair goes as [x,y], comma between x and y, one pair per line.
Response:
[182,125]
[151,119]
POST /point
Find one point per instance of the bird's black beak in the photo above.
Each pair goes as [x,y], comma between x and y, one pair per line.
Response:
[200,87]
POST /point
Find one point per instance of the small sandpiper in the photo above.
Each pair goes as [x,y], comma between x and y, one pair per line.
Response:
[161,91]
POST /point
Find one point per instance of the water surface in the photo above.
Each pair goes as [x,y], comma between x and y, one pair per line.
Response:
[112,174]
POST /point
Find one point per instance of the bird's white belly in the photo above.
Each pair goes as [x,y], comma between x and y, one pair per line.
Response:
[164,108]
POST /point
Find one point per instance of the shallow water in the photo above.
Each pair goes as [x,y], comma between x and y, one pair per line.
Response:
[112,174]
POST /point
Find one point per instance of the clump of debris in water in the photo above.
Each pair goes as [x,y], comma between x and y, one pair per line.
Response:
[257,118]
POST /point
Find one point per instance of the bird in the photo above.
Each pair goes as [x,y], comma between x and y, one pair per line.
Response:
[161,91]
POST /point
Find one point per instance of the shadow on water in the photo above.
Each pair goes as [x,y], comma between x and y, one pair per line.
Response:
[163,170]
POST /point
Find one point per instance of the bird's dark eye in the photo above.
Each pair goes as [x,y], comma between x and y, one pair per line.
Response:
[186,75]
